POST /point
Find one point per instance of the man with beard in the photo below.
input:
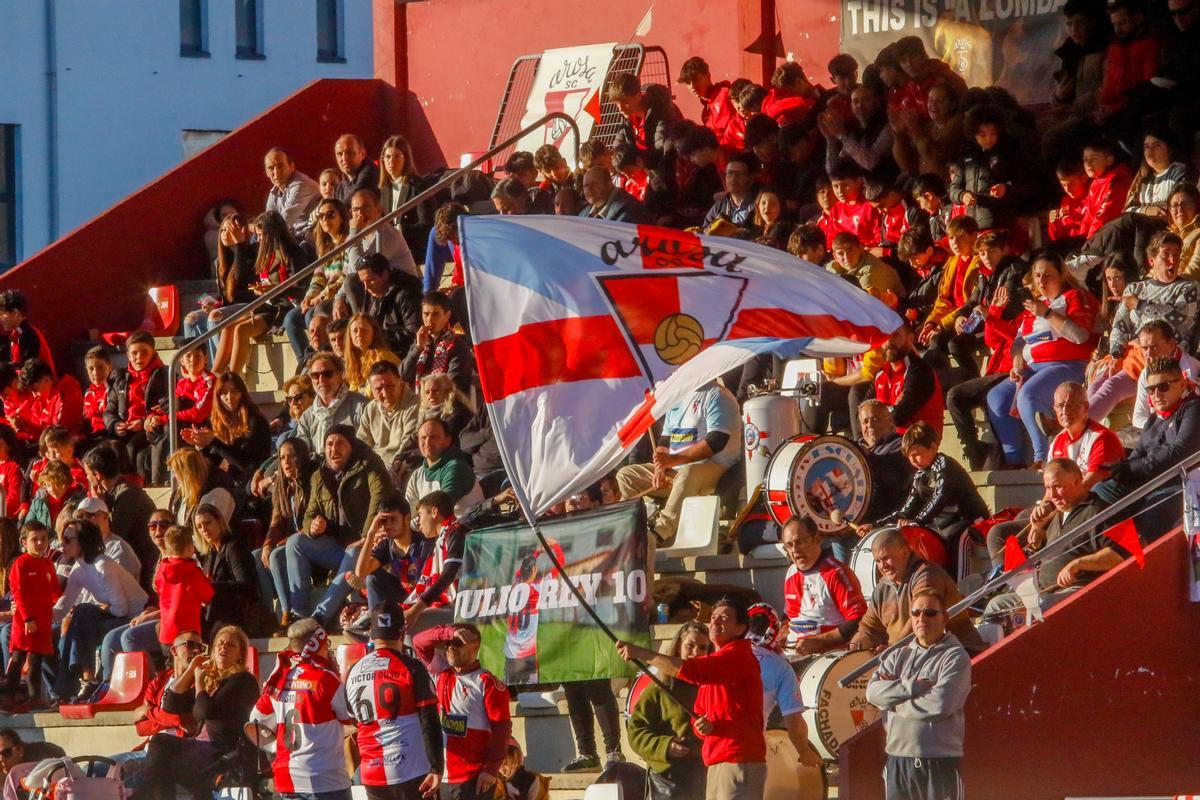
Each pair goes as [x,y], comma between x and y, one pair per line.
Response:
[906,385]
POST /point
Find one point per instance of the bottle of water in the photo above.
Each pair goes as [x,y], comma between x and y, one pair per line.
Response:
[974,321]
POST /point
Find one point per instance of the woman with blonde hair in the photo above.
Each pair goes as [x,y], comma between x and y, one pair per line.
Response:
[218,692]
[239,434]
[330,230]
[442,399]
[364,344]
[228,565]
[197,482]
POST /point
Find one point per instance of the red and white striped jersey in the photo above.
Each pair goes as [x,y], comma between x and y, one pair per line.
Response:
[306,710]
[821,599]
[384,692]
[470,704]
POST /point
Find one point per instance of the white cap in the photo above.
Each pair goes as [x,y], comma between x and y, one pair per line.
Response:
[93,505]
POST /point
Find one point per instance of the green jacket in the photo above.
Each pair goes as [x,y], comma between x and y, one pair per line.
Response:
[656,720]
[349,500]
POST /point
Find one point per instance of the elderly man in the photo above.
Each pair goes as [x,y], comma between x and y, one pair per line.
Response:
[921,690]
[334,404]
[445,469]
[1157,339]
[821,597]
[388,423]
[358,171]
[695,449]
[1172,435]
[891,472]
[386,239]
[293,194]
[903,573]
[1086,442]
[393,299]
[1068,505]
[607,201]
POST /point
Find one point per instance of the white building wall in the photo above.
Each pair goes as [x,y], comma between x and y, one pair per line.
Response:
[125,95]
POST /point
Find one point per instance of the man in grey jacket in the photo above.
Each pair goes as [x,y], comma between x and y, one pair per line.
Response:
[921,689]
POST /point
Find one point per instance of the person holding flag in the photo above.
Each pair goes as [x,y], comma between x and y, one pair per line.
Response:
[392,699]
[301,712]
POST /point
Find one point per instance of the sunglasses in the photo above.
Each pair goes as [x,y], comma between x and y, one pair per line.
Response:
[293,398]
[928,613]
[321,374]
[327,214]
[191,646]
[1155,388]
[159,523]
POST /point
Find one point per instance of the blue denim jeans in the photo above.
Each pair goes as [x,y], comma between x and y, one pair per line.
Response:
[142,638]
[302,552]
[197,322]
[273,581]
[295,325]
[339,590]
[1036,394]
[77,650]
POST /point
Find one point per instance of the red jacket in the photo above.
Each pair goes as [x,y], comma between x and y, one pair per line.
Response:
[62,405]
[95,400]
[1126,64]
[1068,223]
[77,473]
[136,389]
[183,590]
[34,586]
[860,218]
[716,109]
[198,391]
[998,335]
[157,720]
[731,696]
[10,487]
[1105,199]
[891,383]
[734,139]
[785,106]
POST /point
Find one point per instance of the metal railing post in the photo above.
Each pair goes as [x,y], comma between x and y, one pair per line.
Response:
[304,274]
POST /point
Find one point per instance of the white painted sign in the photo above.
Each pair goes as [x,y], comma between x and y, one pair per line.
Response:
[571,80]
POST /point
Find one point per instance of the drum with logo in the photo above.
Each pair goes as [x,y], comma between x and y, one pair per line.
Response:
[924,542]
[787,778]
[768,420]
[833,713]
[824,478]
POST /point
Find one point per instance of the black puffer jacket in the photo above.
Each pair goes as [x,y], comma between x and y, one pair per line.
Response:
[1163,445]
[661,114]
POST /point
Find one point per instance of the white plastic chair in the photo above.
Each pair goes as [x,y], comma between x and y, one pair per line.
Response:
[604,791]
[699,522]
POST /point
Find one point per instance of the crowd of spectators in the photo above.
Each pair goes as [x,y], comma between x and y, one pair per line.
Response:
[1045,268]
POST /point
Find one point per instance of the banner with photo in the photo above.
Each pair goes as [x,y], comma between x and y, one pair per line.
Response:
[534,630]
[1008,43]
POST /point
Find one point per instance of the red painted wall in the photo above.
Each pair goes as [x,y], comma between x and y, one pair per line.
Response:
[1101,700]
[460,51]
[97,276]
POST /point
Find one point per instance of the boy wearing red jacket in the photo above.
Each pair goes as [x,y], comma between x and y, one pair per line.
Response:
[95,398]
[138,392]
[1110,185]
[183,590]
[1066,221]
[852,213]
[34,586]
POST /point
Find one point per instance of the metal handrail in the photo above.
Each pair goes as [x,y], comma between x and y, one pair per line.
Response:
[304,274]
[1064,543]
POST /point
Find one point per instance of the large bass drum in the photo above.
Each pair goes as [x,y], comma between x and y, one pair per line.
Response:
[924,542]
[833,713]
[816,476]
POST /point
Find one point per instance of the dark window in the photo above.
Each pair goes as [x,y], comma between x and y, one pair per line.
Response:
[249,28]
[329,31]
[8,196]
[193,28]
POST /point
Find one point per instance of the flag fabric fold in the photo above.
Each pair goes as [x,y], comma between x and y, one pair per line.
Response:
[1014,556]
[586,331]
[1125,534]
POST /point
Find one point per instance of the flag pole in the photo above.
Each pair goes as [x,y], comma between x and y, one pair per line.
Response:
[531,519]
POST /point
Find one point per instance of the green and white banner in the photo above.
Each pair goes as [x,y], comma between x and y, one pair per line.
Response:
[534,629]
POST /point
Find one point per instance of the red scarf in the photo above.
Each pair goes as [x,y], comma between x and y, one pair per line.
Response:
[440,361]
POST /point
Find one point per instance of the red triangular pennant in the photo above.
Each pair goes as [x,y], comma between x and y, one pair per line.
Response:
[1125,534]
[1014,556]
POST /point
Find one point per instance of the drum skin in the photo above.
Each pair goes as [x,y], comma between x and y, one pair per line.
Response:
[825,478]
[787,779]
[833,714]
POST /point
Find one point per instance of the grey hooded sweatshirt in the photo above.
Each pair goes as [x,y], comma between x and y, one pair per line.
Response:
[922,691]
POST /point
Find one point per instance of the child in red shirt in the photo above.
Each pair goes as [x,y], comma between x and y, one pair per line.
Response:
[57,444]
[11,479]
[34,587]
[852,213]
[1109,188]
[95,399]
[1066,221]
[183,589]
[631,172]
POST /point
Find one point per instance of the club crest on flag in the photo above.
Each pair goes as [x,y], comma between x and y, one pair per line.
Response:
[667,317]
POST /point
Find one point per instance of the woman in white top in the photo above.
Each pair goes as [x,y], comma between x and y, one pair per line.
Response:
[99,596]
